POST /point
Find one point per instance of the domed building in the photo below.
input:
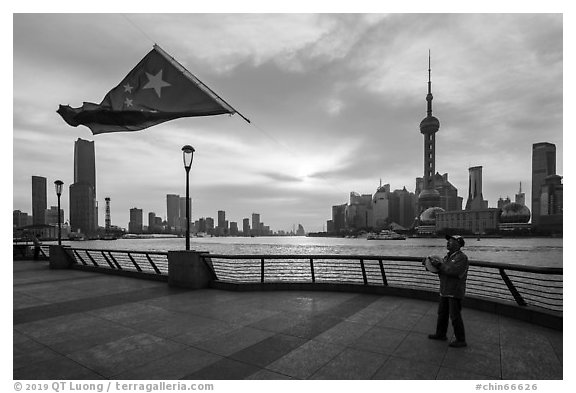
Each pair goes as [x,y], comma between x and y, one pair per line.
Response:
[428,216]
[514,218]
[428,221]
[514,213]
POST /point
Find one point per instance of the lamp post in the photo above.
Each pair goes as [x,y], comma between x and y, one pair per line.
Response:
[58,184]
[188,156]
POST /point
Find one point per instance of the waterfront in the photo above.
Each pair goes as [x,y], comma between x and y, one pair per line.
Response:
[545,252]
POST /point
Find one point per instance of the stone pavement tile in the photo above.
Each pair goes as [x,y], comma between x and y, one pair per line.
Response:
[312,326]
[224,369]
[351,364]
[351,306]
[401,320]
[400,368]
[427,324]
[268,350]
[447,373]
[556,340]
[343,333]
[237,315]
[380,340]
[419,347]
[22,300]
[57,325]
[174,366]
[278,322]
[203,329]
[70,333]
[530,362]
[527,352]
[478,358]
[233,341]
[117,356]
[370,315]
[55,369]
[27,352]
[305,360]
[264,374]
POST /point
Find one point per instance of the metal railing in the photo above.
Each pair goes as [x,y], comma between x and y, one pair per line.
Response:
[143,262]
[522,285]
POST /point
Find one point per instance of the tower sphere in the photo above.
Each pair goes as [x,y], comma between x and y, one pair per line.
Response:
[429,125]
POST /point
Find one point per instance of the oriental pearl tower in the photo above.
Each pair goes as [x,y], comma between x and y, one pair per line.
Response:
[429,196]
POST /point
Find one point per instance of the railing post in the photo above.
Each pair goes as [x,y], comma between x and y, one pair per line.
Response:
[384,280]
[363,272]
[134,262]
[312,269]
[262,270]
[512,288]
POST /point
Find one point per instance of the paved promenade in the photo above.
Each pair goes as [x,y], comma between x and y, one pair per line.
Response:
[72,324]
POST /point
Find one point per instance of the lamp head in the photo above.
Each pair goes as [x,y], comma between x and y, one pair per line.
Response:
[188,156]
[58,184]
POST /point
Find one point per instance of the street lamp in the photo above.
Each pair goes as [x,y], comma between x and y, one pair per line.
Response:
[58,184]
[187,155]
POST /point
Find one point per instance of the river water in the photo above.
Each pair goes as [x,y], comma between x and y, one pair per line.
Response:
[522,251]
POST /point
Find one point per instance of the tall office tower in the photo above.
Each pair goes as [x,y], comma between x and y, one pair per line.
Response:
[402,207]
[173,210]
[209,225]
[39,202]
[339,217]
[107,218]
[475,199]
[543,165]
[234,228]
[221,219]
[151,222]
[520,197]
[255,224]
[381,206]
[82,209]
[83,205]
[246,227]
[135,224]
[429,196]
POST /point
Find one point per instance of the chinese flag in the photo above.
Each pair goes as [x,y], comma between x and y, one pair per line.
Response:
[158,89]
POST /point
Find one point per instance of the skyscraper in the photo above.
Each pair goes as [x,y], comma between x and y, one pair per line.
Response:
[173,210]
[135,224]
[475,199]
[255,224]
[83,205]
[543,165]
[39,202]
[246,227]
[429,196]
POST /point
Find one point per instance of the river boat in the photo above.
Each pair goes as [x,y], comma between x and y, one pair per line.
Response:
[74,236]
[385,234]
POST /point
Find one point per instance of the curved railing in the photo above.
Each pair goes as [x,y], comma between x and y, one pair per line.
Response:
[523,285]
[538,287]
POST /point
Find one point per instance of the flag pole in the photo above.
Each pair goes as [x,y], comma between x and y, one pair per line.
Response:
[198,82]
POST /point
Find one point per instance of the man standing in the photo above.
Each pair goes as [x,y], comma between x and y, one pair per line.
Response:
[452,272]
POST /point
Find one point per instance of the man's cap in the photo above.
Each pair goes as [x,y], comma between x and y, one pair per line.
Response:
[458,238]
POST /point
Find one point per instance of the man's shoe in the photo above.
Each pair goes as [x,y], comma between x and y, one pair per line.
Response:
[437,337]
[457,344]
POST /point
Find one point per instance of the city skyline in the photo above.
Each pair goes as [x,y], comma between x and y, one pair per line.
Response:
[335,103]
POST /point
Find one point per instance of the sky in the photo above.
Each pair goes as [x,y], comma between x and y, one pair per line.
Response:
[335,102]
